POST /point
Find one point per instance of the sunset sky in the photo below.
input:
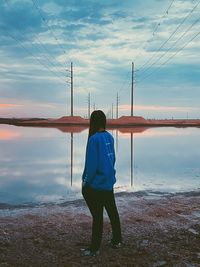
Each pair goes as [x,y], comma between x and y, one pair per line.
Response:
[39,39]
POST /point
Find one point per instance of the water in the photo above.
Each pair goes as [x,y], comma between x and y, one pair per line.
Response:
[42,165]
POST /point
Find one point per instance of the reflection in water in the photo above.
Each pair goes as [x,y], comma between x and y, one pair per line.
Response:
[33,161]
[124,130]
[116,140]
[132,131]
[72,148]
[8,135]
[132,159]
[70,129]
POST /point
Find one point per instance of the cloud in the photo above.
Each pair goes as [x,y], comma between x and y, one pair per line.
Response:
[102,39]
[15,16]
[31,109]
[4,105]
[157,108]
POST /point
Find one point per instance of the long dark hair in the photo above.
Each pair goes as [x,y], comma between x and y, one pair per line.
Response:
[97,121]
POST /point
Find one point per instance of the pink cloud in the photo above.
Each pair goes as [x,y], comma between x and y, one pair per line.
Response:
[5,105]
[156,108]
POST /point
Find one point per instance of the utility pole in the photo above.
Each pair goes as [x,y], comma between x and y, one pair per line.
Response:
[72,110]
[88,105]
[112,112]
[117,106]
[94,106]
[132,89]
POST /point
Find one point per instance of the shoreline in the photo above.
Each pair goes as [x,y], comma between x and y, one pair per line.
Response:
[8,208]
[122,122]
[158,230]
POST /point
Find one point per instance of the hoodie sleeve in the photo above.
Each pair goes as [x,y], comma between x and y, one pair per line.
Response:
[91,161]
[114,157]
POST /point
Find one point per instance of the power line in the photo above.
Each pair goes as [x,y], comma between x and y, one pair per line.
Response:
[130,79]
[38,60]
[180,24]
[127,82]
[155,30]
[163,16]
[179,38]
[42,45]
[49,28]
[127,79]
[178,51]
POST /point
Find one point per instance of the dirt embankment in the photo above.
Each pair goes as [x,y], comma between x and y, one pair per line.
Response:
[124,121]
[157,231]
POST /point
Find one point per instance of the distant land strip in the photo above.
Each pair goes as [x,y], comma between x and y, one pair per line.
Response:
[124,121]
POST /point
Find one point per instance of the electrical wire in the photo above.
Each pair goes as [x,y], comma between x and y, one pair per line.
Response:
[38,60]
[178,51]
[170,48]
[49,28]
[180,24]
[42,45]
[155,30]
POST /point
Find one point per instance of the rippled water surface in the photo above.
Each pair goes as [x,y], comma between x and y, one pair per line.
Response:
[45,164]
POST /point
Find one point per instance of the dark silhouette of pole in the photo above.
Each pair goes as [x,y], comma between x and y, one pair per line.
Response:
[132,89]
[72,85]
[117,106]
[112,112]
[88,105]
[131,159]
[72,150]
[117,140]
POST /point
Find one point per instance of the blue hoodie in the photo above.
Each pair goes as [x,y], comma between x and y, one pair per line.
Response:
[99,172]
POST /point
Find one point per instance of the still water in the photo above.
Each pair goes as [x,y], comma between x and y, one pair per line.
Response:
[42,165]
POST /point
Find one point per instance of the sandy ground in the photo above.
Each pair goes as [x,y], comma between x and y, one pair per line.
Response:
[158,230]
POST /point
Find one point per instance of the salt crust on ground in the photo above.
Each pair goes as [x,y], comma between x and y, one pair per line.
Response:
[158,230]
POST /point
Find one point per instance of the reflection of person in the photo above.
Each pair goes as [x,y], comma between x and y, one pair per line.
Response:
[97,183]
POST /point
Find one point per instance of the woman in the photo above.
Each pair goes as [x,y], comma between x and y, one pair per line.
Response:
[97,183]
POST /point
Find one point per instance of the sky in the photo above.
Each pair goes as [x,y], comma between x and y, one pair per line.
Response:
[39,39]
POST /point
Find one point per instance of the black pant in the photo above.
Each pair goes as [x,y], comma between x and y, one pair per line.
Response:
[96,201]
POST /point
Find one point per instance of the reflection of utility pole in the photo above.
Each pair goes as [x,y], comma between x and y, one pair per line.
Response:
[132,89]
[88,105]
[117,106]
[72,148]
[72,111]
[131,159]
[117,141]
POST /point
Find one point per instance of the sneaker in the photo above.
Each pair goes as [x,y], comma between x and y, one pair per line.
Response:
[88,252]
[115,245]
